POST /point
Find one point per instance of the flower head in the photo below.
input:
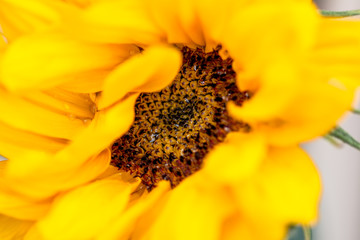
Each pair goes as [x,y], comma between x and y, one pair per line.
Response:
[203,103]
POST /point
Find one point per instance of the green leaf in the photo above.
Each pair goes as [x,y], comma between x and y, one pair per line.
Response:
[342,135]
[356,111]
[307,232]
[349,13]
[333,141]
[299,232]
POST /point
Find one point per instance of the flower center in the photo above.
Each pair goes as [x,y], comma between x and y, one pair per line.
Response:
[175,128]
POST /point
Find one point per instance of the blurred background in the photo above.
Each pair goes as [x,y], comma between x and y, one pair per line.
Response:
[338,5]
[339,169]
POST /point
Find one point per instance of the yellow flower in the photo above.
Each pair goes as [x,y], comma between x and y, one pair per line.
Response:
[69,84]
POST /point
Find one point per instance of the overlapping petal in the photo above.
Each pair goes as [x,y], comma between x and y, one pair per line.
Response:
[101,23]
[332,101]
[57,56]
[145,77]
[44,122]
[86,78]
[124,226]
[286,189]
[22,17]
[30,179]
[254,51]
[11,228]
[336,54]
[84,212]
[188,207]
[226,162]
[193,206]
[85,154]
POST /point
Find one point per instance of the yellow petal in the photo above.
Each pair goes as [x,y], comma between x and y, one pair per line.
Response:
[57,57]
[107,126]
[214,18]
[237,158]
[164,13]
[77,156]
[80,3]
[110,170]
[19,206]
[124,225]
[14,142]
[88,82]
[101,23]
[27,116]
[71,104]
[239,226]
[289,41]
[35,178]
[190,21]
[3,42]
[337,51]
[286,189]
[13,229]
[142,73]
[19,17]
[85,212]
[179,20]
[305,119]
[234,228]
[276,88]
[191,206]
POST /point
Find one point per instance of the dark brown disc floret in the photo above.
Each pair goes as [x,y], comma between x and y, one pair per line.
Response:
[175,128]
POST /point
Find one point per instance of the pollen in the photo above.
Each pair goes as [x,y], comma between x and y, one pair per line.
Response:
[175,128]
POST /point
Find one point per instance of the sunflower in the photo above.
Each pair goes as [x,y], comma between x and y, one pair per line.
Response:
[167,120]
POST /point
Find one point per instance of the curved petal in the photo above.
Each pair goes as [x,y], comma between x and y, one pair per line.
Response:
[214,18]
[101,23]
[37,180]
[13,229]
[82,153]
[59,57]
[25,115]
[238,157]
[74,105]
[179,20]
[124,225]
[19,206]
[86,211]
[314,112]
[141,73]
[107,126]
[337,50]
[80,3]
[237,225]
[285,190]
[14,142]
[88,82]
[19,17]
[188,207]
[254,50]
[275,89]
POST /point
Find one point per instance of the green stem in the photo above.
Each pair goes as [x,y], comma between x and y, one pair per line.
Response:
[307,232]
[332,140]
[349,13]
[342,135]
[356,111]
